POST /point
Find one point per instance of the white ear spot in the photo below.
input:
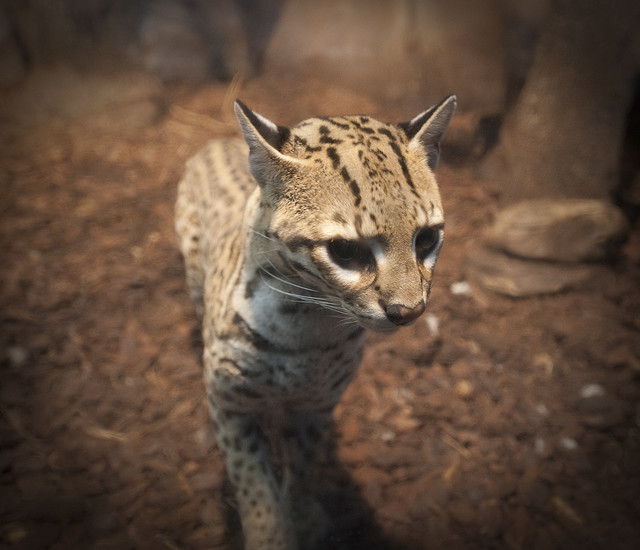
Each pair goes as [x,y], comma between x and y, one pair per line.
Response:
[272,126]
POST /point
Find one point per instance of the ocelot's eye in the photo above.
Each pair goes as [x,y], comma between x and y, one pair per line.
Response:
[348,254]
[427,240]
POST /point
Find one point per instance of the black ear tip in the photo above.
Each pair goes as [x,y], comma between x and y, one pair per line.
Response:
[240,105]
[452,99]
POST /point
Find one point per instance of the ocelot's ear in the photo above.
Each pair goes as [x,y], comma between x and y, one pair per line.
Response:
[426,130]
[265,140]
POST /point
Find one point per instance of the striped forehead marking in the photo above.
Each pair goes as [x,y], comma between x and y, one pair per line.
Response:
[369,157]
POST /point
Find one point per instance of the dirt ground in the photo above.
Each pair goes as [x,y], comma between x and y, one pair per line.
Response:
[491,424]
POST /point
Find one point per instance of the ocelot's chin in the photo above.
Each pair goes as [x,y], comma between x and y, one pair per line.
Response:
[381,326]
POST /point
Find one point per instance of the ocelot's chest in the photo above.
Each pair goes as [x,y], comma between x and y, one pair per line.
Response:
[284,348]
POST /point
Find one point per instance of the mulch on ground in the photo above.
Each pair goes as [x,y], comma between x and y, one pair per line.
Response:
[491,424]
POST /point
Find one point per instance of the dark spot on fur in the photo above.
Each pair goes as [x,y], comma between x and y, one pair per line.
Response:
[300,242]
[329,139]
[335,123]
[288,309]
[388,133]
[358,221]
[356,191]
[251,287]
[405,170]
[333,155]
[339,218]
[258,341]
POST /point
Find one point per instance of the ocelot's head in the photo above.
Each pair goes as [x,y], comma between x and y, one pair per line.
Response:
[351,207]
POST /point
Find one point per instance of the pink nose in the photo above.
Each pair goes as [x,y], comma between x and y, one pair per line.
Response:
[401,315]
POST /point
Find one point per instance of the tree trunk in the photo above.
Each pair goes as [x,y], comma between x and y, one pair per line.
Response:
[563,138]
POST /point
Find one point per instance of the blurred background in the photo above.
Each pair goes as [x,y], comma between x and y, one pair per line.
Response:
[546,64]
[509,418]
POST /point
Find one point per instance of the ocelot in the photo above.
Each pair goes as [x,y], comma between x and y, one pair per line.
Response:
[295,241]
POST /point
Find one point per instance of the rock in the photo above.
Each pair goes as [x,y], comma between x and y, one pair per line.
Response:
[598,408]
[568,444]
[18,356]
[460,288]
[565,230]
[464,389]
[534,246]
[515,277]
[591,390]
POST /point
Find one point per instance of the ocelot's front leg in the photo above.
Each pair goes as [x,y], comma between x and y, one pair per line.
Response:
[301,440]
[265,518]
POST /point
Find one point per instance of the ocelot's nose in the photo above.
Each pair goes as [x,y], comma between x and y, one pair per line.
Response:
[401,315]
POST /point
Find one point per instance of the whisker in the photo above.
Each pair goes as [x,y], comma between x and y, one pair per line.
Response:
[301,298]
[346,321]
[282,278]
[309,295]
[255,231]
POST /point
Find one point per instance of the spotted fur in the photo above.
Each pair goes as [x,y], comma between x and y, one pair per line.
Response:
[295,241]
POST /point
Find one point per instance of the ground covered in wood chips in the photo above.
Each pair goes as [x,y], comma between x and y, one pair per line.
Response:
[491,424]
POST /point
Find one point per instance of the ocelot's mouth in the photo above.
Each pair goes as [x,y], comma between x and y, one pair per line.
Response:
[380,325]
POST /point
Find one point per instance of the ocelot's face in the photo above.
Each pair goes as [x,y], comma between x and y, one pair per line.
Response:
[366,233]
[381,281]
[354,209]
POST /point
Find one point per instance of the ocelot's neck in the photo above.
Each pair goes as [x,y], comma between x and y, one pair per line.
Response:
[262,249]
[277,288]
